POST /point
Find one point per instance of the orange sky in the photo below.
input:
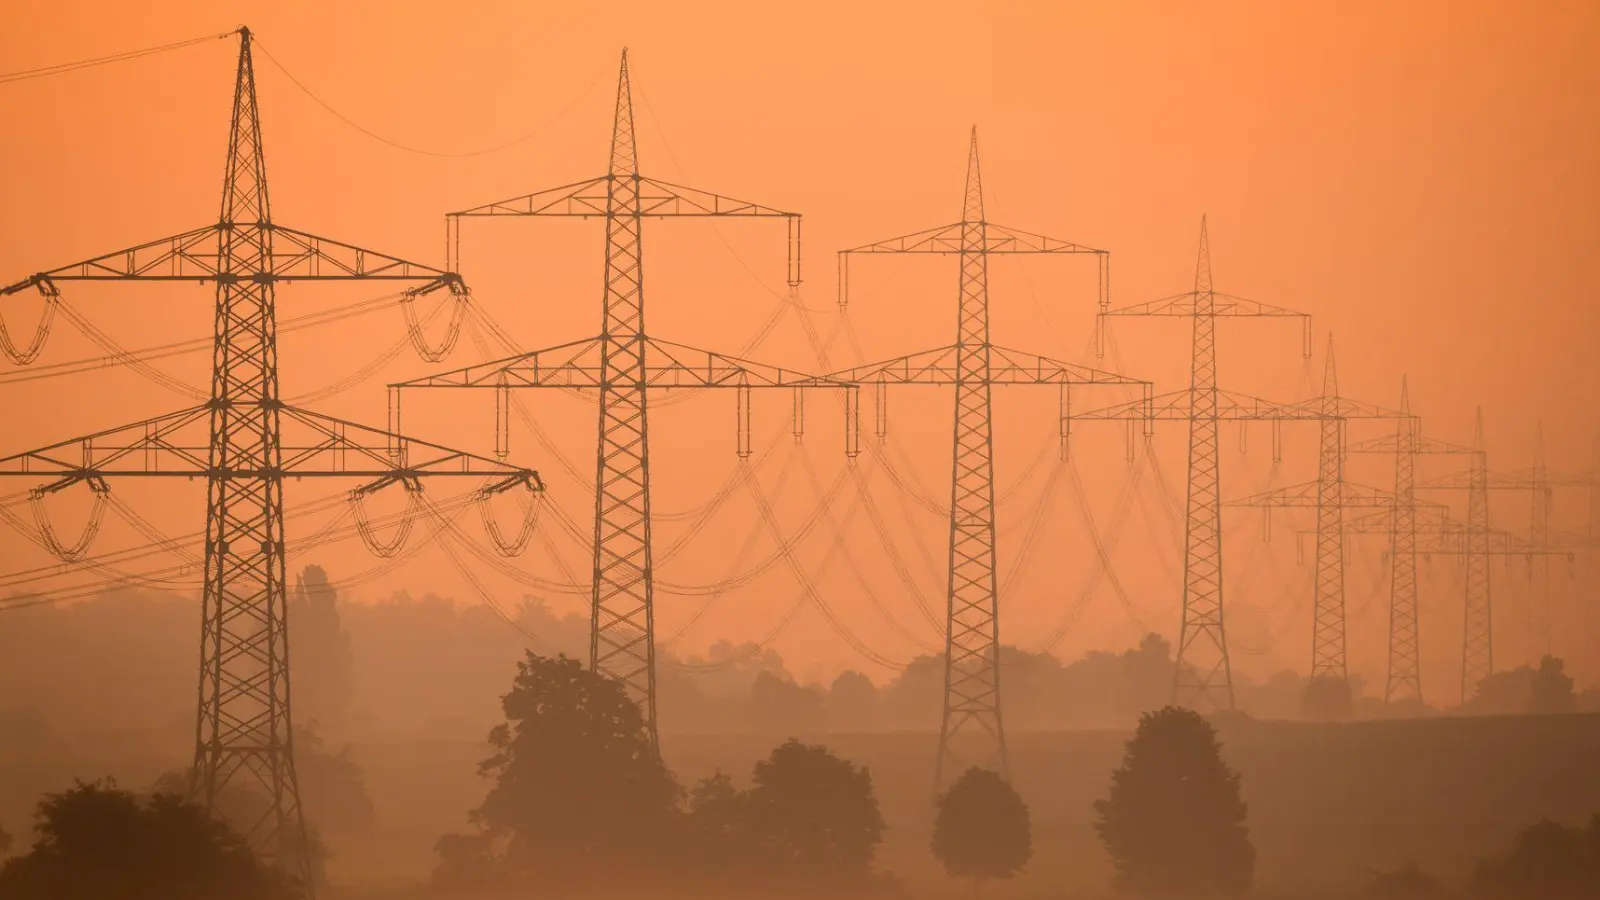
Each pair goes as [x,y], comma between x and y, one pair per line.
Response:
[1421,177]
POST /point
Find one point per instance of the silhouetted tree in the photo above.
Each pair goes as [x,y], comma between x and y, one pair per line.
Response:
[852,702]
[1408,882]
[724,846]
[816,814]
[1174,823]
[1551,688]
[97,842]
[5,843]
[1327,698]
[323,661]
[1547,861]
[579,790]
[777,704]
[1502,693]
[982,830]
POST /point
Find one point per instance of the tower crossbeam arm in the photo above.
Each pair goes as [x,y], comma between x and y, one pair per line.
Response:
[199,256]
[972,238]
[313,445]
[940,366]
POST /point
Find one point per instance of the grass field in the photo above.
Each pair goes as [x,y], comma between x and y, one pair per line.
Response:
[1329,803]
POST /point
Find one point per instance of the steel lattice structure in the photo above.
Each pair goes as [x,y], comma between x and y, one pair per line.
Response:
[1329,496]
[1403,679]
[974,366]
[623,365]
[1204,674]
[244,441]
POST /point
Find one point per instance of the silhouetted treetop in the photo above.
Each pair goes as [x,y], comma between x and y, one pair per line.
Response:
[1551,688]
[816,813]
[96,842]
[982,829]
[1174,823]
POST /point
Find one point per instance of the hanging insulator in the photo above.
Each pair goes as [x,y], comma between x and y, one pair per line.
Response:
[459,300]
[502,419]
[880,400]
[97,510]
[530,522]
[743,424]
[41,333]
[852,422]
[798,419]
[380,548]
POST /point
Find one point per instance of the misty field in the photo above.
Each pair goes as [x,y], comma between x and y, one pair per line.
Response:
[1329,803]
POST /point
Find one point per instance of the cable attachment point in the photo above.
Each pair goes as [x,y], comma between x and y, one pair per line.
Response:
[369,536]
[28,354]
[530,514]
[101,493]
[460,299]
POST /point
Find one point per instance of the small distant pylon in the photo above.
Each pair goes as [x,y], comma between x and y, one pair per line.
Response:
[1404,678]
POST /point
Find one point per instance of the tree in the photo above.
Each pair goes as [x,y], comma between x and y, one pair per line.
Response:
[1327,698]
[323,661]
[982,830]
[816,813]
[852,703]
[5,843]
[96,842]
[1551,688]
[722,843]
[1547,861]
[1174,823]
[579,790]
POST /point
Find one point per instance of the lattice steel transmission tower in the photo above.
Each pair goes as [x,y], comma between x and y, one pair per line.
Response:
[1204,673]
[1404,674]
[244,441]
[1329,495]
[1474,542]
[974,365]
[624,364]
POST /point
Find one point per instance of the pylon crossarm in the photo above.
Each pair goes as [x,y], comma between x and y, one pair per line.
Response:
[1346,408]
[163,446]
[581,198]
[1494,481]
[663,198]
[1175,406]
[328,447]
[299,255]
[949,239]
[1389,444]
[1184,306]
[1304,496]
[189,256]
[670,365]
[571,365]
[939,366]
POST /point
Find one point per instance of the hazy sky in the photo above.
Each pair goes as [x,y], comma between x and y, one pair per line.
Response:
[1421,177]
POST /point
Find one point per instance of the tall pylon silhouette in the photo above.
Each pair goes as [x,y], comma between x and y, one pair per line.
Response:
[244,441]
[623,365]
[974,365]
[1329,496]
[1204,673]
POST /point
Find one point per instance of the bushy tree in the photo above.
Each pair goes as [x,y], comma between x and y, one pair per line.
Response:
[1327,698]
[1547,861]
[579,791]
[1551,688]
[96,842]
[816,814]
[721,841]
[323,661]
[982,829]
[1174,823]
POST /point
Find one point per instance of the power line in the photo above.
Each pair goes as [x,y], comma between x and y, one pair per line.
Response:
[61,68]
[484,151]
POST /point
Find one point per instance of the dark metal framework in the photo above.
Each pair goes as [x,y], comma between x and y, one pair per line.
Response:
[623,365]
[1204,674]
[244,441]
[974,366]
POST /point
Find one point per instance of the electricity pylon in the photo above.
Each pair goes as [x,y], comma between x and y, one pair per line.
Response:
[1476,542]
[1404,674]
[244,441]
[1329,495]
[623,365]
[1478,481]
[1204,675]
[974,365]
